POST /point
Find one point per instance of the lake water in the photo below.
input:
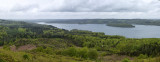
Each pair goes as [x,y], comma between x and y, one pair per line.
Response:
[140,31]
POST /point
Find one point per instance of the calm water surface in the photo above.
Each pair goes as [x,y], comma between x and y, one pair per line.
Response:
[140,31]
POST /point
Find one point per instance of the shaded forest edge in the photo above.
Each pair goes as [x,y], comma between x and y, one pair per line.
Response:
[30,42]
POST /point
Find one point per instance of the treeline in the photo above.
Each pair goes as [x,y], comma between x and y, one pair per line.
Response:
[124,25]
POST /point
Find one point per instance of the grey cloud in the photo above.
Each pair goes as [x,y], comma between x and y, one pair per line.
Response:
[80,9]
[23,8]
[104,6]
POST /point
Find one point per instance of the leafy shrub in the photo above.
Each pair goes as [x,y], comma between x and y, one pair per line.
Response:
[141,56]
[6,47]
[103,54]
[93,54]
[83,53]
[126,60]
[72,51]
[39,49]
[47,50]
[25,56]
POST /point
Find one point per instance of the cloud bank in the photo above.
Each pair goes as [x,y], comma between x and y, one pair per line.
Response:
[103,6]
[55,9]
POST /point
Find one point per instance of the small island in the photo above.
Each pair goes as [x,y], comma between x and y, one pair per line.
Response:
[123,25]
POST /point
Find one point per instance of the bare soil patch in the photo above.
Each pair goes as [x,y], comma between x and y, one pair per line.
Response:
[22,48]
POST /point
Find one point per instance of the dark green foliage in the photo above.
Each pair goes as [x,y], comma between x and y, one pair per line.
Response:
[125,25]
[26,57]
[1,60]
[1,43]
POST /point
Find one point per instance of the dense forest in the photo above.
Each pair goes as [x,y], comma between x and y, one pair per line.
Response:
[30,42]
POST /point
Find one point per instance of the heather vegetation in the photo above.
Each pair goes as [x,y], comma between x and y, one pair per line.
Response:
[52,44]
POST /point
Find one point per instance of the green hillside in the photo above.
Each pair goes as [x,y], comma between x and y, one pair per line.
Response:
[30,42]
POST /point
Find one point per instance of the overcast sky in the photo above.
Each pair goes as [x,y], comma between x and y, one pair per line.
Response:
[66,9]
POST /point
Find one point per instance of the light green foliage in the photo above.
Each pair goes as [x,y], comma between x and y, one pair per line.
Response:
[72,51]
[6,58]
[84,53]
[141,56]
[46,50]
[10,56]
[22,30]
[126,60]
[6,47]
[49,50]
[103,53]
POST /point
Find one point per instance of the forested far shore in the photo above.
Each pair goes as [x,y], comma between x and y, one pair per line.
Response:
[104,21]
